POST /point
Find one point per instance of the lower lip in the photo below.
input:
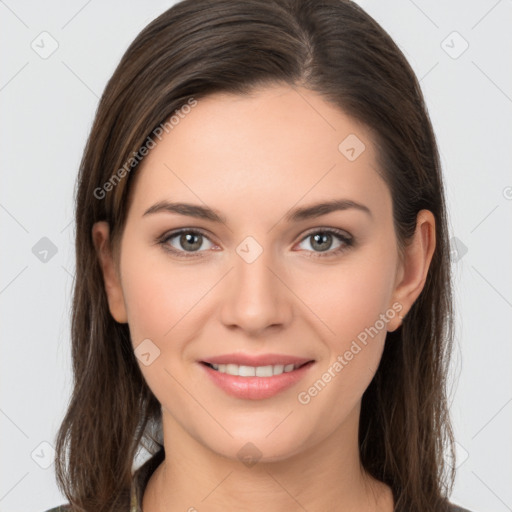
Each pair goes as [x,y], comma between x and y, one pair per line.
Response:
[256,388]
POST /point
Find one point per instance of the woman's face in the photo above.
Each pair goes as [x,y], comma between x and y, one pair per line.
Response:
[279,277]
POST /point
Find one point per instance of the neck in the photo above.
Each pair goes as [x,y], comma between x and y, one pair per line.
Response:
[326,476]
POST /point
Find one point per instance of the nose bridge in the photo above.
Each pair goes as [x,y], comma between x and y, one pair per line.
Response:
[256,297]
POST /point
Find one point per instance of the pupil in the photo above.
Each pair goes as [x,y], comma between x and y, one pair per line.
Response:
[186,240]
[323,237]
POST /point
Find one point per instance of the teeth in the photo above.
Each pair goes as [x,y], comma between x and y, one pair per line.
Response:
[254,371]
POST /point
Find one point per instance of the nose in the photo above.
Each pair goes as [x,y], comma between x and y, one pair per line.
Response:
[257,298]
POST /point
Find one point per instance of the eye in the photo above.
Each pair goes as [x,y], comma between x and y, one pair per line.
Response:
[322,241]
[190,242]
[185,242]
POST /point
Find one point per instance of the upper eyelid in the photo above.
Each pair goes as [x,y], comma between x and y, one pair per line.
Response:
[173,233]
[336,231]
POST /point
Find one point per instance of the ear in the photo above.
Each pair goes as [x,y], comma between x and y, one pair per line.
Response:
[111,279]
[414,266]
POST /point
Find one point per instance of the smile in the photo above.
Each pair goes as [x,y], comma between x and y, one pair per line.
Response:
[255,382]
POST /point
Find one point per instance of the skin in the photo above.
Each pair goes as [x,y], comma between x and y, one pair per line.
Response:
[253,158]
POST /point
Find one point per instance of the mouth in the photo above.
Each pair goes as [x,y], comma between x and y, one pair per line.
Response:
[259,382]
[255,371]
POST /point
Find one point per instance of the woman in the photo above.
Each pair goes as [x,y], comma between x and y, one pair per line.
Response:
[263,291]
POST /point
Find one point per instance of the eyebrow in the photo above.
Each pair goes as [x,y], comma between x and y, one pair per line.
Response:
[295,215]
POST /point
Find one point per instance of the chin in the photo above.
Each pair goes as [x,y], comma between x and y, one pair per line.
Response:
[256,445]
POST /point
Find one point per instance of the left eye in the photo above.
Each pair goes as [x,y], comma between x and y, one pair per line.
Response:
[321,241]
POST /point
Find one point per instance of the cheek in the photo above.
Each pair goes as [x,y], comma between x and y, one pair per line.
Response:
[351,297]
[158,294]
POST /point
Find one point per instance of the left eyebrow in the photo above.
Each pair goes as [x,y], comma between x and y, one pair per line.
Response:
[319,209]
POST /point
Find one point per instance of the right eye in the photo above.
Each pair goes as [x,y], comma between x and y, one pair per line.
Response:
[184,242]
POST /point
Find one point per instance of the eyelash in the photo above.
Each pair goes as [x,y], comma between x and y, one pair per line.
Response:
[348,242]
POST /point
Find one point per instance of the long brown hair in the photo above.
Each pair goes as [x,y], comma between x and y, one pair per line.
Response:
[194,49]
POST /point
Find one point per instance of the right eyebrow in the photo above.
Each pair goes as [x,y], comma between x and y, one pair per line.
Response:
[191,210]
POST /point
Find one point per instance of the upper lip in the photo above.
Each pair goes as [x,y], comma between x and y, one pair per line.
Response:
[256,360]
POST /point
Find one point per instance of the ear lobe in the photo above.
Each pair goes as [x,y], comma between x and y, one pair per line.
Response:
[416,262]
[113,289]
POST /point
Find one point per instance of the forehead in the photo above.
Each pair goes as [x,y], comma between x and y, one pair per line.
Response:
[278,144]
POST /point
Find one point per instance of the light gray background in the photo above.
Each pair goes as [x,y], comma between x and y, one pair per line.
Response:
[47,107]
